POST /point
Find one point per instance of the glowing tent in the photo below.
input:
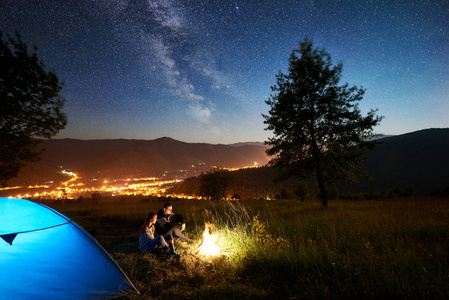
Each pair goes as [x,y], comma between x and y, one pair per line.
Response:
[45,255]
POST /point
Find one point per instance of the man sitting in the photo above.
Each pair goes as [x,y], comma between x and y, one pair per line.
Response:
[170,223]
[163,224]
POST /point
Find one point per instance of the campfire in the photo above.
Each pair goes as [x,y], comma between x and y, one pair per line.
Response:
[208,246]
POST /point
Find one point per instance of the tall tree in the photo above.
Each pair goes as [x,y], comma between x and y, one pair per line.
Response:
[318,129]
[30,106]
[215,182]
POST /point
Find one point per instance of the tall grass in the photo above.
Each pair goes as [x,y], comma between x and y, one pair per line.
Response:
[367,250]
[283,249]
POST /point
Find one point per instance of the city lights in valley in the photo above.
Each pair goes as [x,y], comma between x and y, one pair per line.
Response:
[78,186]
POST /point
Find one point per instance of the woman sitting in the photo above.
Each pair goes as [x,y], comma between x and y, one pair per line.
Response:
[149,243]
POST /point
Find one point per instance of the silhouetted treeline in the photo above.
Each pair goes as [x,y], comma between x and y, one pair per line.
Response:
[252,183]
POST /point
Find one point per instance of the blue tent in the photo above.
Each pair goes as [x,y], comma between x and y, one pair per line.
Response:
[45,255]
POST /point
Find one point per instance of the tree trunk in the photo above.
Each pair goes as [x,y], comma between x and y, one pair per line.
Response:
[322,189]
[319,177]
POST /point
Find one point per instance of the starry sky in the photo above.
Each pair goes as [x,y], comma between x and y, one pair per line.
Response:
[200,70]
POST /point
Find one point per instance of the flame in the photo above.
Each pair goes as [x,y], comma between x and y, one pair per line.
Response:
[208,246]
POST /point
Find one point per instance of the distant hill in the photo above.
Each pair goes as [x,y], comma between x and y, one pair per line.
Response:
[262,144]
[417,161]
[123,158]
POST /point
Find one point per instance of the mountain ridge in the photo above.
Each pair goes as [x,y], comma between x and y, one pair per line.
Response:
[417,162]
[122,158]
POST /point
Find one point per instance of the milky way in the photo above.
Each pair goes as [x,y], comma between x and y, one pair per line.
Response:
[199,71]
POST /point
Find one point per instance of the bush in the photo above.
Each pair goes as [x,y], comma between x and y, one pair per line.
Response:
[333,192]
[301,190]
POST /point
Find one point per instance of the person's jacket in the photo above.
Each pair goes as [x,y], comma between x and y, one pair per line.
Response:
[146,237]
[163,224]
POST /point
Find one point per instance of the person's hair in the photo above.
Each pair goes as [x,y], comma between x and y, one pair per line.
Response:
[145,223]
[177,219]
[167,204]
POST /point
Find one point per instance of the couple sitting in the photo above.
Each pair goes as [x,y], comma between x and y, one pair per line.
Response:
[158,231]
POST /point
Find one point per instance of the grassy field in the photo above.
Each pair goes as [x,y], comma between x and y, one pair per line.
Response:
[285,249]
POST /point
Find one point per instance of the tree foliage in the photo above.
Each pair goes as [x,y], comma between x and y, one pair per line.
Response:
[318,128]
[214,183]
[30,105]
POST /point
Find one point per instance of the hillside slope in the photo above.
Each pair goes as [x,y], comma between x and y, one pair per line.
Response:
[417,160]
[135,158]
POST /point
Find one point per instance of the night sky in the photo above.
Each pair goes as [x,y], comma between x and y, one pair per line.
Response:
[199,71]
